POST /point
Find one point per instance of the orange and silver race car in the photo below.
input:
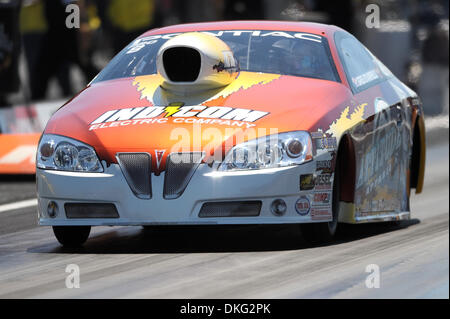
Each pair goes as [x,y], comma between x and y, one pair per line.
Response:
[234,123]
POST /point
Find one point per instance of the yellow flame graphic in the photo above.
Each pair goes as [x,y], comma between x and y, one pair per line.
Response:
[147,85]
[346,120]
[245,81]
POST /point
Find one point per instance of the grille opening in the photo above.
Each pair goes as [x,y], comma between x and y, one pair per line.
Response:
[136,168]
[230,209]
[180,167]
[90,210]
[182,64]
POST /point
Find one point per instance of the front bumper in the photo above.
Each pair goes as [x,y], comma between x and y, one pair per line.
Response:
[206,185]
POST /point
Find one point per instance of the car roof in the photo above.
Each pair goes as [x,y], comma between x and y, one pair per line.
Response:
[309,27]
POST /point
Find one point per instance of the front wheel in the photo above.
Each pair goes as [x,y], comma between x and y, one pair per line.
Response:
[319,232]
[71,236]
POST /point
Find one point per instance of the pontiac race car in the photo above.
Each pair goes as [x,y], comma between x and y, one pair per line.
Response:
[234,123]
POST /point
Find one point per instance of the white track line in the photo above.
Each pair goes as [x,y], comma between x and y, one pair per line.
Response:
[18,205]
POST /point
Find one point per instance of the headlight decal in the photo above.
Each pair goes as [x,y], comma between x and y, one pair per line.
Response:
[65,154]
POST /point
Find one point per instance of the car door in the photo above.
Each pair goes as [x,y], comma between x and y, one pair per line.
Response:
[378,142]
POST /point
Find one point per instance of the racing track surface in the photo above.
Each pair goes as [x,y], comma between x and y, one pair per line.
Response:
[242,262]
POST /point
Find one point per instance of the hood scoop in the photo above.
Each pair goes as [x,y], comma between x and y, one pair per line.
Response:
[195,62]
[182,64]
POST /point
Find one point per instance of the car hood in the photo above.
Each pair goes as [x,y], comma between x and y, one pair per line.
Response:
[138,115]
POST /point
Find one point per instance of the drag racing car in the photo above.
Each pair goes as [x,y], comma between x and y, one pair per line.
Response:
[240,122]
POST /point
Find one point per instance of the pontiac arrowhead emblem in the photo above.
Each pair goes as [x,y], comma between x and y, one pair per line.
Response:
[159,155]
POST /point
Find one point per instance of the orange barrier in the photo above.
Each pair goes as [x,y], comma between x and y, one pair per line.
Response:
[18,153]
[20,129]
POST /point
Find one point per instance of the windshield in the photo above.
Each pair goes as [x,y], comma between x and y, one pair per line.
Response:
[280,52]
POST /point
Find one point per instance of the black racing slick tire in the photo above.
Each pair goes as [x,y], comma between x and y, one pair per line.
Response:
[317,233]
[71,236]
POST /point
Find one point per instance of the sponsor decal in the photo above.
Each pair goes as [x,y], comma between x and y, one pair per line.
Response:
[141,43]
[322,199]
[379,162]
[365,78]
[321,214]
[326,143]
[306,182]
[381,179]
[219,67]
[324,166]
[193,114]
[230,64]
[323,182]
[322,141]
[318,134]
[158,156]
[302,206]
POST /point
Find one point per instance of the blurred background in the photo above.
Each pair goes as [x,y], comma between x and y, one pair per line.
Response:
[42,60]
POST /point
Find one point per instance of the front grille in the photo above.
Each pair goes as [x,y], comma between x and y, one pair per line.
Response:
[136,167]
[179,169]
[230,209]
[90,210]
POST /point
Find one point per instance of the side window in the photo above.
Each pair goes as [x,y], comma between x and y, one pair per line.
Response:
[384,70]
[361,68]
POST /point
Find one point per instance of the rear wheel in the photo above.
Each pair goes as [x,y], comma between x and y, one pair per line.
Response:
[71,236]
[325,232]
